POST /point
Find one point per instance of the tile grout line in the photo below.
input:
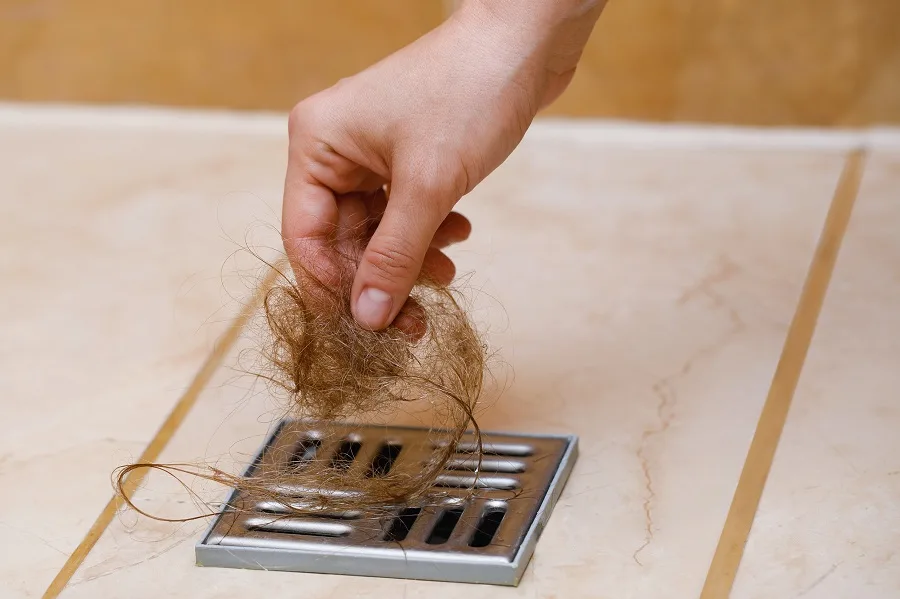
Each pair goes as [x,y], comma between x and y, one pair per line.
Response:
[162,437]
[736,530]
[614,133]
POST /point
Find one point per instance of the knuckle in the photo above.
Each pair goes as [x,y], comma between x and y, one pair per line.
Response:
[433,184]
[392,259]
[297,119]
[343,82]
[306,115]
[440,179]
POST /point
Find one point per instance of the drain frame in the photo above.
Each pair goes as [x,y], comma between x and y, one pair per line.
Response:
[221,546]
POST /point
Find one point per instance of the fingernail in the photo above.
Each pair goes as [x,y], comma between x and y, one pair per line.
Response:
[373,308]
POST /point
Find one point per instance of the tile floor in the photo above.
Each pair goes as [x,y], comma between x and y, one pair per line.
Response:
[637,282]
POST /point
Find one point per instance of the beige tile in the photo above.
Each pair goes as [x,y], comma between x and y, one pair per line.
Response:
[829,520]
[113,246]
[639,298]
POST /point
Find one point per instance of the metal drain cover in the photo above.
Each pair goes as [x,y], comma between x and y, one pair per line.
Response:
[487,537]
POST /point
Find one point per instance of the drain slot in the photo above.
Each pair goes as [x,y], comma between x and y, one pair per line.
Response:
[487,526]
[444,527]
[508,449]
[345,454]
[402,524]
[298,527]
[384,459]
[486,465]
[276,507]
[305,490]
[305,452]
[462,481]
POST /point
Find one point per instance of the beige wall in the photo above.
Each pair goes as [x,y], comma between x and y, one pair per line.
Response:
[770,62]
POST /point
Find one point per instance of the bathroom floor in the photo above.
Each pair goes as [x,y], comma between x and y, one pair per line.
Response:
[638,282]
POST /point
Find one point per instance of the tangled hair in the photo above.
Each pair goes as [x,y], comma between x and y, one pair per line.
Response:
[332,370]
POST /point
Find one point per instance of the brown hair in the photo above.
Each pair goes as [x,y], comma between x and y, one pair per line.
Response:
[330,369]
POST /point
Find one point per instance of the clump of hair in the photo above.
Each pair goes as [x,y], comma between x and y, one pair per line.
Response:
[331,370]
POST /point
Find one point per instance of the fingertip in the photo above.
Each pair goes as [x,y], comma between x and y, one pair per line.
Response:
[454,229]
[411,321]
[462,224]
[438,267]
[372,309]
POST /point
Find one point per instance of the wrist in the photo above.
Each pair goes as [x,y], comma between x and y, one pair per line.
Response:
[548,12]
[555,31]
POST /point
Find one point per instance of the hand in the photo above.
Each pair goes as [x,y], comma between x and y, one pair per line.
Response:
[430,122]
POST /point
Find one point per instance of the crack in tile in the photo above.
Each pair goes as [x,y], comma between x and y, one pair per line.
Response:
[34,535]
[667,399]
[95,572]
[819,580]
[665,390]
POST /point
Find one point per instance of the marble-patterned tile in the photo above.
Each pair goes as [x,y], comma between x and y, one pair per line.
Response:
[637,298]
[829,520]
[115,248]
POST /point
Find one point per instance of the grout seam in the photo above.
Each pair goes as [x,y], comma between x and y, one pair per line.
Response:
[162,437]
[745,503]
[601,132]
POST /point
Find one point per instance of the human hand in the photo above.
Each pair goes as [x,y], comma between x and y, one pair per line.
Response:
[428,123]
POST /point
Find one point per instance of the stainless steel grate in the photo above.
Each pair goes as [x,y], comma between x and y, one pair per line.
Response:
[485,538]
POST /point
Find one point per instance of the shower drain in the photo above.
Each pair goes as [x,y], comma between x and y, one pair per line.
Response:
[485,537]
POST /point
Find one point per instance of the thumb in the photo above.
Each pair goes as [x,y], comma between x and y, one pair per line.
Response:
[393,257]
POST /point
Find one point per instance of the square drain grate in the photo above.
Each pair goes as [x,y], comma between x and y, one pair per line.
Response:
[485,537]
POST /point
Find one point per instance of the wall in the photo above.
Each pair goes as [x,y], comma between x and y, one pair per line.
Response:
[805,62]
